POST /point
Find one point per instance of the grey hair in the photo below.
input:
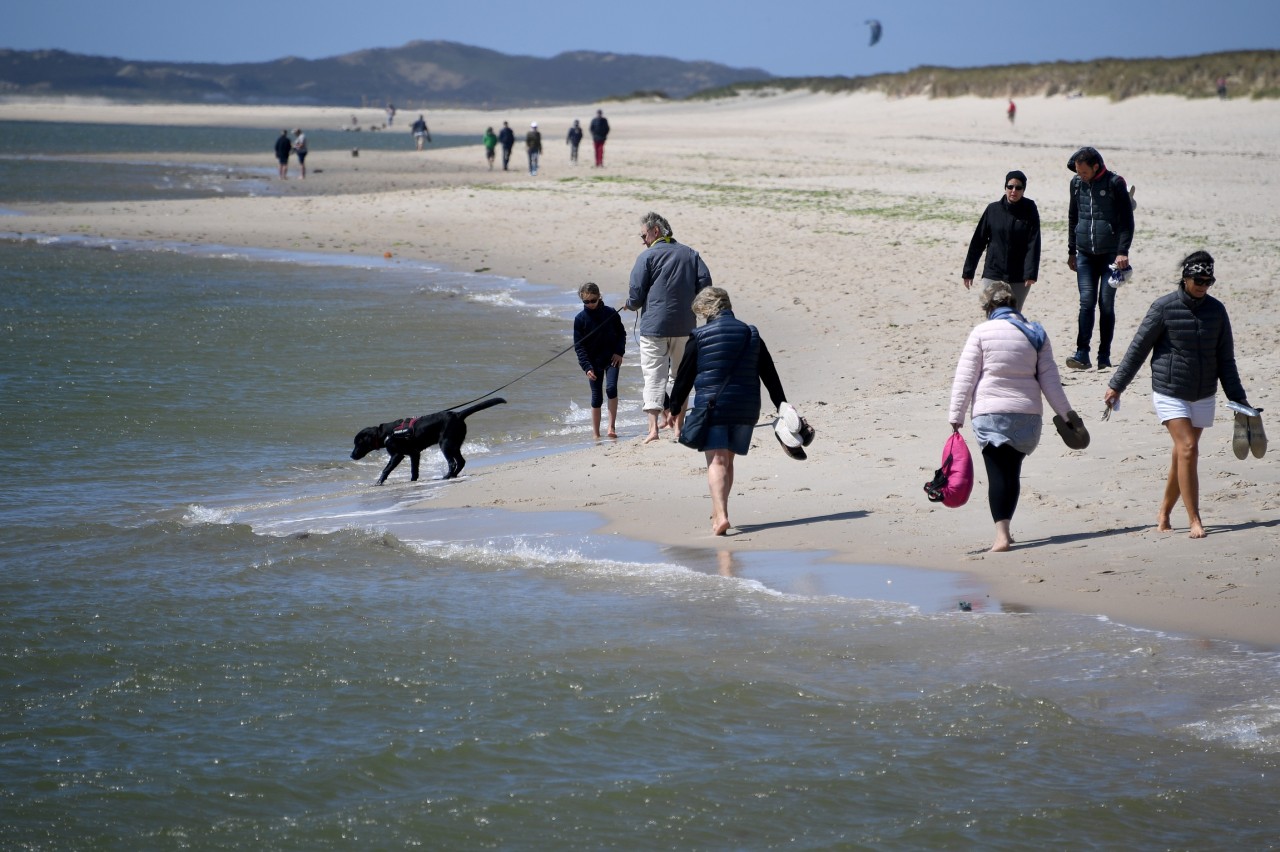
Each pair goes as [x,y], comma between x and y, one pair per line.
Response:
[653,220]
[998,295]
[711,302]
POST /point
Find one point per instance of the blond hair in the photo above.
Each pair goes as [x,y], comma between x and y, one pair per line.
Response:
[998,294]
[711,302]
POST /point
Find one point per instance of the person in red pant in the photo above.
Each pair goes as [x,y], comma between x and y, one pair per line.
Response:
[599,133]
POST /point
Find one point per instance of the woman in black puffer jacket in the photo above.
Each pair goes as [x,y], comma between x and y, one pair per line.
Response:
[1188,335]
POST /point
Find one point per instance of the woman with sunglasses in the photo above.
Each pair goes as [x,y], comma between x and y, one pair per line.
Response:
[1009,232]
[1188,335]
[600,341]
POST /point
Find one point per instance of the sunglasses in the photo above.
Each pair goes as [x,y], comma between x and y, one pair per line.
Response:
[1013,186]
[590,301]
[1204,281]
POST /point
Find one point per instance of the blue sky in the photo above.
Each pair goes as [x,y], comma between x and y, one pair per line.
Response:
[784,37]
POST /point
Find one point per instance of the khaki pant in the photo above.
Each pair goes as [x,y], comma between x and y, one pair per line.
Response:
[659,361]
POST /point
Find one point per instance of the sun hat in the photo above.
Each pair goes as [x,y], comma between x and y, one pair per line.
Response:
[792,431]
[790,442]
[789,429]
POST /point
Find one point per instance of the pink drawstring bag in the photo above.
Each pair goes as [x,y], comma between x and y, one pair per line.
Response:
[953,482]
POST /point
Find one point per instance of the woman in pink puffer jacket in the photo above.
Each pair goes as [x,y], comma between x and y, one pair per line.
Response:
[1006,366]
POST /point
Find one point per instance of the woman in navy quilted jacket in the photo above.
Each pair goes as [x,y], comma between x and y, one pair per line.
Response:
[1188,335]
[726,359]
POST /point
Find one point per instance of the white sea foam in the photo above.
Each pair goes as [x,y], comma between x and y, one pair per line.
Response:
[503,299]
[531,551]
[555,555]
[198,515]
[1250,727]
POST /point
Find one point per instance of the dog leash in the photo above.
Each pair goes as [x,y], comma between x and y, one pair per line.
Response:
[528,372]
[635,327]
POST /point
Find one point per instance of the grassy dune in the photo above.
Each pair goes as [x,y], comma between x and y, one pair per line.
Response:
[1249,74]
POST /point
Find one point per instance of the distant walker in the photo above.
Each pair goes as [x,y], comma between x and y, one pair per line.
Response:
[599,133]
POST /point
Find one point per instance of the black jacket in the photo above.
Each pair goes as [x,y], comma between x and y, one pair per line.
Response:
[1192,346]
[727,346]
[507,137]
[597,336]
[1100,220]
[1010,234]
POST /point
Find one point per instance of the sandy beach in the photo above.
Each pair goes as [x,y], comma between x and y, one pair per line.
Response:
[839,226]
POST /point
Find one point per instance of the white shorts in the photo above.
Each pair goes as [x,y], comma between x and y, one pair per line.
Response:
[659,361]
[1200,412]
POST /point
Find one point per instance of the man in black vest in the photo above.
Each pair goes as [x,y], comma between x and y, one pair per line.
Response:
[1099,233]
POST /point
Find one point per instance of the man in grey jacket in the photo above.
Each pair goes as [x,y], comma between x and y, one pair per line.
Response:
[664,280]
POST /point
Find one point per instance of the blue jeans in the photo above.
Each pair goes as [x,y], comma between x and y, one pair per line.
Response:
[606,383]
[533,162]
[1091,275]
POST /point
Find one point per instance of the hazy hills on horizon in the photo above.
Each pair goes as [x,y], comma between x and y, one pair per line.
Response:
[418,75]
[430,74]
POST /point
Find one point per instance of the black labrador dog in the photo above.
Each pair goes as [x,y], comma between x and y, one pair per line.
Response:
[411,435]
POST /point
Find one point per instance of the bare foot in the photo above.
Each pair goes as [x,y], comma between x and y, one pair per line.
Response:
[1003,538]
[651,437]
[1197,529]
[720,528]
[596,436]
[612,434]
[1162,523]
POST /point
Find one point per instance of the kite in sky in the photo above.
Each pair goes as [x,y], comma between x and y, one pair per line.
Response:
[875,31]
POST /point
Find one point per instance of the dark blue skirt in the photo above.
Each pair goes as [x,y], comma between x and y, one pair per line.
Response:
[735,438]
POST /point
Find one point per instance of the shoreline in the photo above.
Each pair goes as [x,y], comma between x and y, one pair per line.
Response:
[839,230]
[932,590]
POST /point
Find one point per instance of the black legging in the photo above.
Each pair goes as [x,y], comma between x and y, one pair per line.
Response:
[1004,473]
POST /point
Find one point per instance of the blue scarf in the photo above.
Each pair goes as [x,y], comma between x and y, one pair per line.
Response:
[1033,330]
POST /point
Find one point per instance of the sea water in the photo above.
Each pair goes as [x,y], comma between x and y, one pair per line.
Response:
[216,633]
[54,161]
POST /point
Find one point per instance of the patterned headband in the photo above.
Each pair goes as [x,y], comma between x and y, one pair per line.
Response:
[1193,270]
